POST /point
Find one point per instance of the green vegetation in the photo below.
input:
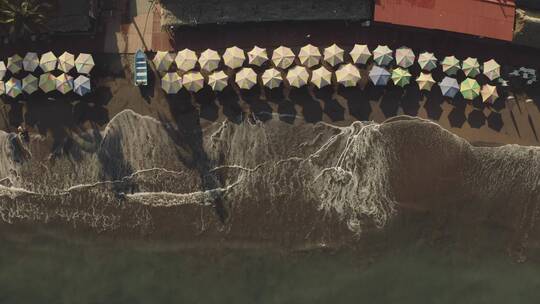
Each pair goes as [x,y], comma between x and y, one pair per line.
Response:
[21,18]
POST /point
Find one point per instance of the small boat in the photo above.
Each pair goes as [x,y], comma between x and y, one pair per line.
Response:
[141,69]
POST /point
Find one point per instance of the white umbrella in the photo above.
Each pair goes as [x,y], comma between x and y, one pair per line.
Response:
[163,61]
[15,64]
[348,75]
[82,85]
[246,78]
[171,83]
[360,54]
[333,55]
[405,57]
[186,60]
[234,57]
[283,57]
[64,83]
[489,93]
[425,81]
[209,60]
[492,69]
[298,76]
[382,55]
[257,56]
[47,63]
[13,87]
[30,61]
[3,70]
[321,77]
[309,56]
[193,81]
[2,88]
[66,62]
[218,80]
[427,61]
[271,78]
[30,84]
[84,63]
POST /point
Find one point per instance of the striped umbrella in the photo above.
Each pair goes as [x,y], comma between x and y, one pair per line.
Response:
[84,63]
[13,87]
[47,82]
[30,84]
[81,85]
[48,61]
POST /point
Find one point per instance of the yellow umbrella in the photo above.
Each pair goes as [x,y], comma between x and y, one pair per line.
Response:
[427,61]
[321,77]
[30,84]
[425,81]
[193,81]
[257,56]
[333,55]
[271,78]
[471,67]
[66,62]
[171,83]
[30,61]
[84,63]
[218,80]
[209,60]
[15,64]
[348,75]
[298,76]
[489,93]
[13,87]
[186,60]
[470,89]
[283,57]
[47,82]
[401,77]
[309,56]
[64,83]
[163,61]
[234,57]
[492,69]
[47,63]
[450,65]
[246,78]
[360,54]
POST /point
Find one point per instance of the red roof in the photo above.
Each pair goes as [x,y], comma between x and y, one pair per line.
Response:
[486,18]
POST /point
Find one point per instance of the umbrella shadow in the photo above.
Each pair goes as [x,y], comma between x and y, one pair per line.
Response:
[206,99]
[357,103]
[147,91]
[457,116]
[311,109]
[332,108]
[228,100]
[410,101]
[390,102]
[495,121]
[476,119]
[433,105]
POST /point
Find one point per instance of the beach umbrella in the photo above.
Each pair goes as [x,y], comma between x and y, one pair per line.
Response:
[427,61]
[470,89]
[382,55]
[449,87]
[321,77]
[425,81]
[2,88]
[209,60]
[271,78]
[309,55]
[257,56]
[492,69]
[470,67]
[333,55]
[348,75]
[64,83]
[30,84]
[379,76]
[401,77]
[450,65]
[405,57]
[246,78]
[66,62]
[234,57]
[283,57]
[186,60]
[15,64]
[489,93]
[47,82]
[193,81]
[163,61]
[47,63]
[360,54]
[298,76]
[3,70]
[84,63]
[13,87]
[218,80]
[30,61]
[81,85]
[171,83]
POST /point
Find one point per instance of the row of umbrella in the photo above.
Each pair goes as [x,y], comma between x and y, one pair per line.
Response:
[47,82]
[310,56]
[347,75]
[84,63]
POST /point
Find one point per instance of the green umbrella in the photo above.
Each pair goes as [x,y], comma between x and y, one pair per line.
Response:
[401,77]
[470,89]
[47,82]
[471,67]
[450,65]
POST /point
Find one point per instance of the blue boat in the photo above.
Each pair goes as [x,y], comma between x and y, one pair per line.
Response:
[141,69]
